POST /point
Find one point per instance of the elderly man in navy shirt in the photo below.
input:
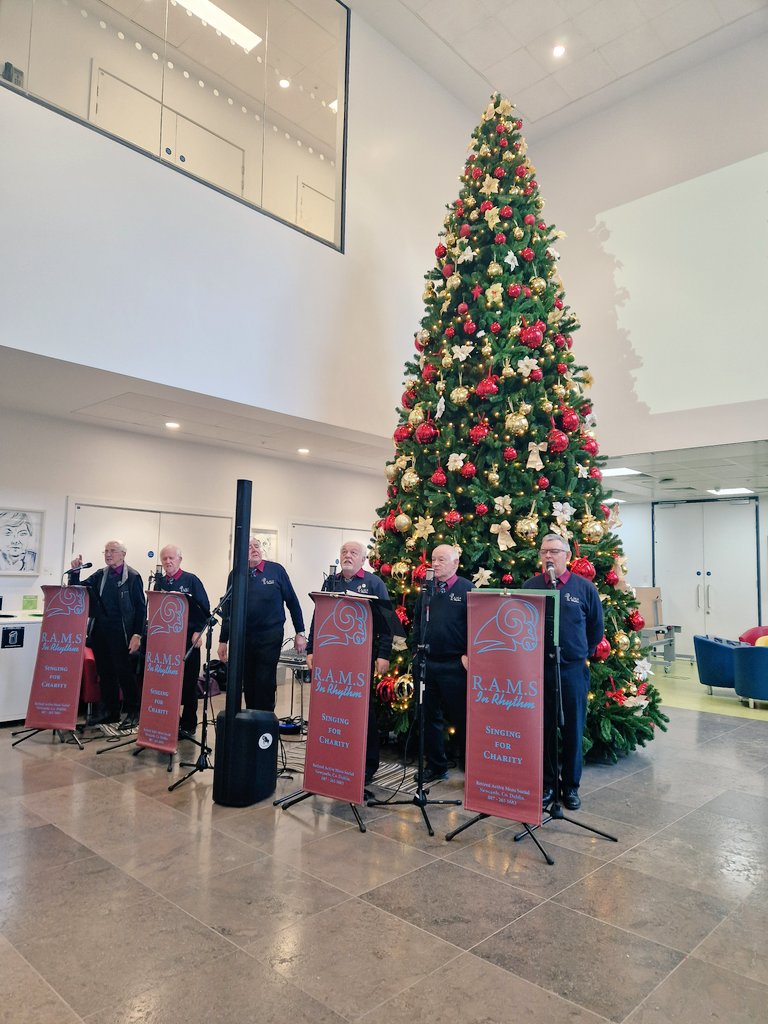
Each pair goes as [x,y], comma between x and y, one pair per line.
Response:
[581,630]
[270,592]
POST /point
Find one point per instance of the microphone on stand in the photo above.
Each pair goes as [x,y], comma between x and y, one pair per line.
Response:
[157,577]
[332,576]
[85,565]
[550,573]
[429,580]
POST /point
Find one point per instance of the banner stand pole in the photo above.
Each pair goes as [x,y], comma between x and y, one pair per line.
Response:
[27,734]
[555,808]
[302,794]
[420,798]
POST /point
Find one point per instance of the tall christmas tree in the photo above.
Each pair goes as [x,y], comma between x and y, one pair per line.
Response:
[495,444]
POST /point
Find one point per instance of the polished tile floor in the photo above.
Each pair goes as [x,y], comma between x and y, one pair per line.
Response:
[123,903]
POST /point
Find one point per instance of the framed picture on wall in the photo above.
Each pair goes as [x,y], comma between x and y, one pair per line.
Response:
[21,541]
[268,540]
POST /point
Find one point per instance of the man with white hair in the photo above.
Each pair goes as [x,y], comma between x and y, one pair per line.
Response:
[176,580]
[117,614]
[445,678]
[354,579]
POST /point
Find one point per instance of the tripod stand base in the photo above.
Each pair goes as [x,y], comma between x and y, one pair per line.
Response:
[555,813]
[301,794]
[419,799]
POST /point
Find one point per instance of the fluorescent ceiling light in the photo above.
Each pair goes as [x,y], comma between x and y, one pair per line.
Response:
[172,426]
[303,451]
[621,471]
[727,492]
[212,15]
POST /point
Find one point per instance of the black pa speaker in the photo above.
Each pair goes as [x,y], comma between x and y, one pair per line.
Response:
[253,759]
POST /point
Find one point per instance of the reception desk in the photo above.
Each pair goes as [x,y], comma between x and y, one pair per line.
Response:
[19,640]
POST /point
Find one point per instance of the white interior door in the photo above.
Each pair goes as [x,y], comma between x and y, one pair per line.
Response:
[312,550]
[679,569]
[138,529]
[730,567]
[205,543]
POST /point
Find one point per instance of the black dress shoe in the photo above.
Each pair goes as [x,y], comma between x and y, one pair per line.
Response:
[105,718]
[431,775]
[571,798]
[547,796]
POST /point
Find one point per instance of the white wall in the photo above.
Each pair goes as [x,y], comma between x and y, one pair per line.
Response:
[637,543]
[45,461]
[707,118]
[135,261]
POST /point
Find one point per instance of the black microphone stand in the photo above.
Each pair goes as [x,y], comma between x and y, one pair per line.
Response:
[554,810]
[421,796]
[203,762]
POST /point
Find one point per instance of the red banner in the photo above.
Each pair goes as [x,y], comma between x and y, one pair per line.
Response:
[340,691]
[55,693]
[505,704]
[167,615]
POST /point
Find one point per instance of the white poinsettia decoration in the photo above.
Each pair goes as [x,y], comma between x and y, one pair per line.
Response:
[456,461]
[563,511]
[482,578]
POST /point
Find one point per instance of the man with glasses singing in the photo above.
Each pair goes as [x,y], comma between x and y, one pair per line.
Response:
[581,630]
[117,614]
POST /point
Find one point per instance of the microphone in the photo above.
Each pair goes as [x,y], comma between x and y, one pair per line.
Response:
[85,565]
[550,573]
[429,580]
[332,575]
[157,578]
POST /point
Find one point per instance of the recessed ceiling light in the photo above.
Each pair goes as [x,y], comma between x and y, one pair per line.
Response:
[621,471]
[558,51]
[303,451]
[614,501]
[283,83]
[172,426]
[729,492]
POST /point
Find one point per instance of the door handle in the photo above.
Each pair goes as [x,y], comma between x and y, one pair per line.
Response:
[709,603]
[698,595]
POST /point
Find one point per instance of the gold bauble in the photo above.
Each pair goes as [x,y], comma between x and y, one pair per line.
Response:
[390,472]
[485,150]
[410,543]
[621,641]
[537,285]
[474,215]
[493,477]
[422,336]
[379,533]
[592,531]
[514,330]
[429,291]
[440,387]
[447,361]
[400,571]
[507,371]
[470,201]
[416,416]
[459,395]
[404,687]
[527,528]
[516,424]
[539,204]
[517,233]
[559,390]
[546,406]
[410,481]
[450,240]
[495,269]
[548,348]
[487,349]
[403,522]
[508,157]
[525,409]
[453,282]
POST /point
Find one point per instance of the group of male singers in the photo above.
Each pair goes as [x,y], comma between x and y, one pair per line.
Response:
[118,615]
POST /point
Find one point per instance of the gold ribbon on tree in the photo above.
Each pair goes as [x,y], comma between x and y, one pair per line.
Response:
[503,534]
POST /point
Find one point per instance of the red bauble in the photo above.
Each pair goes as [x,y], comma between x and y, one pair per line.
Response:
[481,509]
[536,373]
[559,341]
[570,419]
[499,239]
[465,231]
[510,454]
[514,291]
[557,440]
[583,567]
[527,254]
[526,291]
[486,205]
[426,432]
[402,433]
[487,386]
[440,251]
[385,569]
[611,577]
[558,303]
[531,336]
[408,398]
[479,432]
[438,478]
[374,563]
[498,172]
[419,573]
[605,509]
[507,579]
[561,368]
[447,270]
[450,331]
[529,219]
[469,327]
[501,128]
[385,689]
[520,171]
[503,143]
[635,620]
[505,212]
[543,483]
[602,651]
[452,518]
[477,172]
[462,308]
[495,327]
[596,473]
[389,522]
[589,444]
[429,372]
[468,470]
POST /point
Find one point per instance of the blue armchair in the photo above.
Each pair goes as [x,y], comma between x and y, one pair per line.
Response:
[750,673]
[714,661]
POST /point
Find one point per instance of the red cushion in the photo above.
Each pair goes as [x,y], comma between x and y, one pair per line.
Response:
[752,634]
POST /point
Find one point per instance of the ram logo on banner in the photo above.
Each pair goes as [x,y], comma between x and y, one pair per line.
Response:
[341,683]
[55,693]
[167,615]
[505,691]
